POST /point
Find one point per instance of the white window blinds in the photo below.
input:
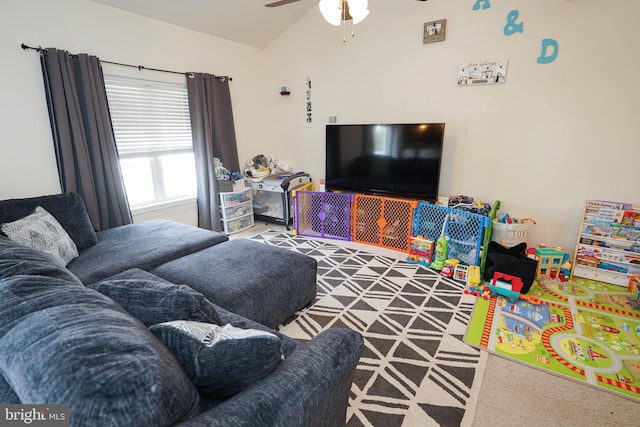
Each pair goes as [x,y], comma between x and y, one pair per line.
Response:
[149,117]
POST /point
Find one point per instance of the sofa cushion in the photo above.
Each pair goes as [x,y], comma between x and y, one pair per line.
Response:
[289,344]
[40,230]
[221,360]
[64,343]
[68,208]
[152,301]
[131,274]
[19,259]
[7,395]
[266,283]
[143,245]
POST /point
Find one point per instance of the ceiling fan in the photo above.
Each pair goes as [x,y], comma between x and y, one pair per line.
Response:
[336,12]
[283,2]
[280,3]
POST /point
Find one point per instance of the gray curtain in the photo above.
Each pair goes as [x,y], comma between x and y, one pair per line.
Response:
[83,136]
[213,136]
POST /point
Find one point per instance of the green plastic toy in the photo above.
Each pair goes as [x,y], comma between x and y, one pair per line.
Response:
[442,245]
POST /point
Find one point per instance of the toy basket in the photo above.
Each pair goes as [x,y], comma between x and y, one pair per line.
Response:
[510,235]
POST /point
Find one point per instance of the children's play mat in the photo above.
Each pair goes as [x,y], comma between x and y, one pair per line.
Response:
[586,330]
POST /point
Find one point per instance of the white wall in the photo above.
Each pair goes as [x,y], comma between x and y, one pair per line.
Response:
[549,138]
[81,26]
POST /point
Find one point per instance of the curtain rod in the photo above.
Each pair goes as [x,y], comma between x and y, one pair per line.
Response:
[139,67]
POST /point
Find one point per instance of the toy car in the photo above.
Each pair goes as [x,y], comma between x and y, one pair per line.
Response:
[509,287]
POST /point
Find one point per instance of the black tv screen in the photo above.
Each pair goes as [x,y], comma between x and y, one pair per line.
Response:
[391,160]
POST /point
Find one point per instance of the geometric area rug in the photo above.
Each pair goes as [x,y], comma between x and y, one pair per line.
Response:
[415,369]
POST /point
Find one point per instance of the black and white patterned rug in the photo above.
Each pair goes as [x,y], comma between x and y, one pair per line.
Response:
[415,369]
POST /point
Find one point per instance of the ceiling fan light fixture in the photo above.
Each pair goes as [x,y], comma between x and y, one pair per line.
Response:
[335,11]
[331,10]
[359,17]
[358,9]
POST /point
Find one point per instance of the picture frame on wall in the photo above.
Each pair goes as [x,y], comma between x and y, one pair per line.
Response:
[309,104]
[434,31]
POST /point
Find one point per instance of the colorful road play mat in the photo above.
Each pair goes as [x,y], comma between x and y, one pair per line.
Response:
[585,330]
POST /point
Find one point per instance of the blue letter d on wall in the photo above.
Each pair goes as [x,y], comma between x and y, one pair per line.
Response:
[544,57]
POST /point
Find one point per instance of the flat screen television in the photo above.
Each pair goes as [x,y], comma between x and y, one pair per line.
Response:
[391,160]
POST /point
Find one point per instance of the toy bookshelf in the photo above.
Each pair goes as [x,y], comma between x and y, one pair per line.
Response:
[608,246]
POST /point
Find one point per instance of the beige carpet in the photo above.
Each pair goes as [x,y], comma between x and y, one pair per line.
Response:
[513,394]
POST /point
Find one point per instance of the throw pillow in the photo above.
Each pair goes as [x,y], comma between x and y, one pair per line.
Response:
[68,208]
[221,360]
[153,302]
[42,231]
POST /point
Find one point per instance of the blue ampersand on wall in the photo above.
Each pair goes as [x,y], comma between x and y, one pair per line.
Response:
[512,26]
[549,46]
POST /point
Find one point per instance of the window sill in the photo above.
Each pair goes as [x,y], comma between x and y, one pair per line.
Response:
[167,204]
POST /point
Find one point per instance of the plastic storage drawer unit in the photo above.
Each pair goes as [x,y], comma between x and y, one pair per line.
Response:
[236,210]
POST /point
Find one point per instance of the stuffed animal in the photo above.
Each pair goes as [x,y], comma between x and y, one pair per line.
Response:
[283,166]
[264,165]
[223,173]
[258,167]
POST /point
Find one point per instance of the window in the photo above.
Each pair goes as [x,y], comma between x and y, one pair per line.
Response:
[381,140]
[153,134]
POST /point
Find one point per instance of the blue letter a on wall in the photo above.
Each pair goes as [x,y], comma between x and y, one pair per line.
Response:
[545,58]
[485,4]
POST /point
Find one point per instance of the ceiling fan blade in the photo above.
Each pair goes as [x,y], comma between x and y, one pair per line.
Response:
[280,3]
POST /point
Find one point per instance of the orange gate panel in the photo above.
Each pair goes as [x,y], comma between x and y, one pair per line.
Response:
[382,221]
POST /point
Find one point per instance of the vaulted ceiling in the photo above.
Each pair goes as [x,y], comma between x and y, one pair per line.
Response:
[244,21]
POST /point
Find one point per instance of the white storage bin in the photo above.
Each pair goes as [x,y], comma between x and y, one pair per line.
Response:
[236,197]
[235,211]
[238,224]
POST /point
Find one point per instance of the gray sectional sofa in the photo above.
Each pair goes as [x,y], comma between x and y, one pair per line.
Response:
[114,333]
